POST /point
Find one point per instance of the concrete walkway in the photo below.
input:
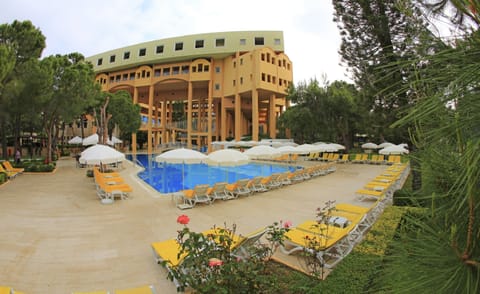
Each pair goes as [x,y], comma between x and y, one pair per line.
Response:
[56,236]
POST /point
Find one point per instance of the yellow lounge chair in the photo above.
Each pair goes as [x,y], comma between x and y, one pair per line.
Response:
[343,159]
[149,289]
[92,292]
[168,251]
[10,174]
[8,166]
[6,290]
[218,191]
[331,242]
[239,188]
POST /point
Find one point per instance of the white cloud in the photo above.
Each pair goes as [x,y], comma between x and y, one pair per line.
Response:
[91,27]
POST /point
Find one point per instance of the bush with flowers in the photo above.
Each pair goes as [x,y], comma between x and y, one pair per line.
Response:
[211,263]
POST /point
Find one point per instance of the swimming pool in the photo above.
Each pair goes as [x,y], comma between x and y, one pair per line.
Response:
[168,178]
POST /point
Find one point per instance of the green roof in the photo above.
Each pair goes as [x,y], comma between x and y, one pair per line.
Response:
[185,48]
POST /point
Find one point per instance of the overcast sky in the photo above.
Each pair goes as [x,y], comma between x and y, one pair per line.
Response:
[91,26]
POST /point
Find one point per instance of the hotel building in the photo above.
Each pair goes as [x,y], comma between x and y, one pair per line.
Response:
[202,88]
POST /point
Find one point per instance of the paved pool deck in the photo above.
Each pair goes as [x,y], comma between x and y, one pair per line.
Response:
[56,236]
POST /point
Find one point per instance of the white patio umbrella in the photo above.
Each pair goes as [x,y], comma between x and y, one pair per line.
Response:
[114,141]
[369,145]
[183,156]
[385,144]
[75,140]
[289,150]
[262,151]
[227,157]
[90,140]
[337,146]
[307,148]
[101,154]
[395,149]
[326,148]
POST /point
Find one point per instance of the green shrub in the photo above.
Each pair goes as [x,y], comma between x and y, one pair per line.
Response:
[3,177]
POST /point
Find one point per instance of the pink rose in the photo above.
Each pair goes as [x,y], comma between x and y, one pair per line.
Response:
[214,262]
[287,224]
[183,219]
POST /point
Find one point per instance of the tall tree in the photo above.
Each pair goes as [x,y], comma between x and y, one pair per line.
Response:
[115,109]
[21,45]
[71,89]
[322,113]
[377,35]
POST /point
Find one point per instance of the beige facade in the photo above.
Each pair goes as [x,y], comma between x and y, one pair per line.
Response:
[228,84]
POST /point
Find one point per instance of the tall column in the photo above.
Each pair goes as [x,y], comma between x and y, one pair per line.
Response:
[134,135]
[150,120]
[272,123]
[223,117]
[209,109]
[189,115]
[255,125]
[238,117]
[164,120]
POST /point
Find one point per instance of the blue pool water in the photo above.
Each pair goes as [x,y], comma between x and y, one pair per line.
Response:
[168,178]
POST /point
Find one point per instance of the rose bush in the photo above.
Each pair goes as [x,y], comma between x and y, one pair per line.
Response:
[212,264]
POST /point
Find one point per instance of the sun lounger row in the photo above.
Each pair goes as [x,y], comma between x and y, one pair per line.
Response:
[244,187]
[168,252]
[7,168]
[110,185]
[334,238]
[384,185]
[147,289]
[344,225]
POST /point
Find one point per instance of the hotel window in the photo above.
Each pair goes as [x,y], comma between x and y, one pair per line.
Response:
[241,80]
[179,46]
[112,58]
[234,83]
[262,56]
[219,42]
[156,73]
[142,52]
[274,80]
[217,69]
[199,44]
[243,42]
[273,60]
[200,67]
[276,41]
[241,61]
[159,49]
[125,77]
[217,86]
[206,68]
[185,69]
[132,76]
[234,64]
[176,70]
[263,77]
[259,41]
[166,71]
[268,78]
[100,61]
[126,55]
